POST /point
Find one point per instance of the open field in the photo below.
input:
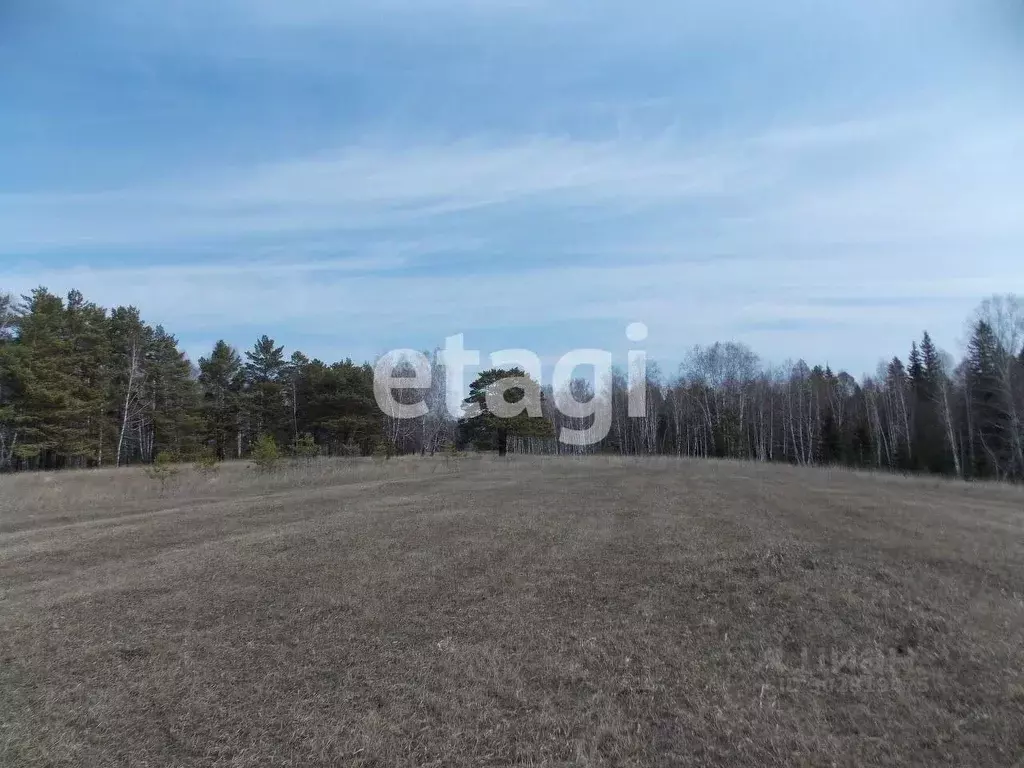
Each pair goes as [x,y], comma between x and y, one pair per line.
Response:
[521,612]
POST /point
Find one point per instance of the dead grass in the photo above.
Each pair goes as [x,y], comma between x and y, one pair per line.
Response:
[522,612]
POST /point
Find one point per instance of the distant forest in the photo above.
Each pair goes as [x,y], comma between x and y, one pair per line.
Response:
[82,386]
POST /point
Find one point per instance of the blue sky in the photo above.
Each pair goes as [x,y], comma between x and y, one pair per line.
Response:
[815,179]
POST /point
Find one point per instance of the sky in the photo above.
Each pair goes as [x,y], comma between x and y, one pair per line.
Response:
[817,180]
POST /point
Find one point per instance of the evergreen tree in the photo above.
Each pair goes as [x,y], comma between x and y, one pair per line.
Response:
[293,374]
[489,431]
[915,370]
[987,411]
[337,407]
[265,372]
[930,442]
[933,371]
[830,446]
[59,365]
[85,425]
[916,407]
[220,376]
[172,399]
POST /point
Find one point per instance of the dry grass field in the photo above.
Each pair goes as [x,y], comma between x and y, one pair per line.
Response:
[534,612]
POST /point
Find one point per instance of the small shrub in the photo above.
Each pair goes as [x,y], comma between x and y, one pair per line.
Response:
[163,470]
[306,448]
[265,454]
[206,461]
[382,451]
[350,449]
[452,456]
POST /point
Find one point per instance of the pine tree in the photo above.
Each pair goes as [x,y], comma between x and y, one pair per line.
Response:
[52,367]
[915,370]
[85,422]
[337,406]
[933,371]
[172,398]
[929,392]
[220,376]
[264,380]
[987,412]
[489,431]
[293,375]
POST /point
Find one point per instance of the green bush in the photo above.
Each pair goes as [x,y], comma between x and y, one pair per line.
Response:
[306,448]
[452,456]
[163,470]
[206,461]
[383,450]
[265,454]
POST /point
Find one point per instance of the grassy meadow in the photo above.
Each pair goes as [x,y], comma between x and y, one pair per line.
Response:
[529,611]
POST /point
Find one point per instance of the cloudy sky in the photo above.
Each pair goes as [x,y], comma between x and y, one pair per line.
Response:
[817,179]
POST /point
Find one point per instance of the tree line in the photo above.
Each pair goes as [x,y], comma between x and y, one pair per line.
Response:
[926,413]
[82,386]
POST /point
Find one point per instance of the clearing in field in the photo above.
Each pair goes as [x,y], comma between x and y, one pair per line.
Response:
[522,612]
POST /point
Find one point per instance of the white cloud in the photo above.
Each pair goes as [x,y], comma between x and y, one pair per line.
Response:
[733,238]
[682,303]
[364,187]
[766,177]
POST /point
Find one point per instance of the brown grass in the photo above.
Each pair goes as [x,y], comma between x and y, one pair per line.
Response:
[528,612]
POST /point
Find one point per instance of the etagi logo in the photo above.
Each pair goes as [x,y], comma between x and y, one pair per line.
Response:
[456,358]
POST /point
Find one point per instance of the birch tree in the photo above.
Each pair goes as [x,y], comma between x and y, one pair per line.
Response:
[129,339]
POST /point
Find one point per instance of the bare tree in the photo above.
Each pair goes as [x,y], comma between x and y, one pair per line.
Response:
[9,313]
[437,426]
[131,407]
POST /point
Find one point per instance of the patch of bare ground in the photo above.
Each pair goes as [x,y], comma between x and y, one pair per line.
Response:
[523,612]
